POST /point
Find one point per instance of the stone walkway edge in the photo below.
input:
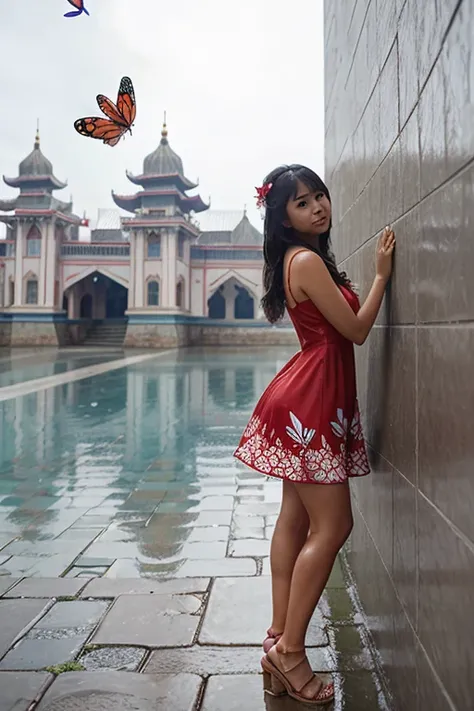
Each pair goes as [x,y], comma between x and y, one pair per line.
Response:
[52,381]
[184,644]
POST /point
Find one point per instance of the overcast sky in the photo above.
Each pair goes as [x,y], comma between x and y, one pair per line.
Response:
[242,84]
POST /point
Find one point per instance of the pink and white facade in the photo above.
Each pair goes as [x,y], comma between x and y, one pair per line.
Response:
[168,269]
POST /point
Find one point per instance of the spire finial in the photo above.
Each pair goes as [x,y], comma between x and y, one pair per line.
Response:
[37,137]
[245,210]
[164,130]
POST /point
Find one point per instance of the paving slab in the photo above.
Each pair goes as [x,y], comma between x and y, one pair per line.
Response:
[249,547]
[36,654]
[124,568]
[106,588]
[6,582]
[234,693]
[209,534]
[121,691]
[73,614]
[46,587]
[150,621]
[15,619]
[19,690]
[245,691]
[224,622]
[247,530]
[224,567]
[205,660]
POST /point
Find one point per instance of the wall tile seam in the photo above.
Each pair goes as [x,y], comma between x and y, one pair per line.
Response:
[371,93]
[394,587]
[468,324]
[457,174]
[354,53]
[383,685]
[441,47]
[423,86]
[440,684]
[455,529]
[372,177]
[452,176]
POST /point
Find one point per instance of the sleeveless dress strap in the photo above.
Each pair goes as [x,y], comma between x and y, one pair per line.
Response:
[288,272]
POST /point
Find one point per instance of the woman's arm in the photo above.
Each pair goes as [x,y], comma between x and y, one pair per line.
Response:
[315,281]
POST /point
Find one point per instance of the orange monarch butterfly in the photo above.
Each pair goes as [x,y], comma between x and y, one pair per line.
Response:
[79,5]
[120,117]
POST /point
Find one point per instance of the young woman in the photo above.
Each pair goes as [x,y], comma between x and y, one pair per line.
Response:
[305,428]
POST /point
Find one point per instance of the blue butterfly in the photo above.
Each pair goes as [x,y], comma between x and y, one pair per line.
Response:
[79,5]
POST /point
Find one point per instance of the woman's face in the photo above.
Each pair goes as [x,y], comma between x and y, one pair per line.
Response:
[310,212]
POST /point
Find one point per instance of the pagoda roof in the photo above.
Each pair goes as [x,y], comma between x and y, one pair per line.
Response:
[8,205]
[132,203]
[163,165]
[35,171]
[179,180]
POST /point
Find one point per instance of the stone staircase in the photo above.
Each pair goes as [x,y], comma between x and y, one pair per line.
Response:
[107,334]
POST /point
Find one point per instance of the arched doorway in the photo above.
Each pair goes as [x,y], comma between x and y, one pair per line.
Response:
[96,297]
[243,304]
[116,299]
[86,306]
[216,304]
[231,300]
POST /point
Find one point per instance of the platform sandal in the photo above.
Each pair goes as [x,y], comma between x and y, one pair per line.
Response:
[270,640]
[294,678]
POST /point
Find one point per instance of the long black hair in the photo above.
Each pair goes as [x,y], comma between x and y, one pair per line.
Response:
[277,237]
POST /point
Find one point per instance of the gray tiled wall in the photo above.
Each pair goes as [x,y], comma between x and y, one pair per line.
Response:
[399,149]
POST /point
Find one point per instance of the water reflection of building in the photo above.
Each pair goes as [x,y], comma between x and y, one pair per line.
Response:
[129,419]
[159,276]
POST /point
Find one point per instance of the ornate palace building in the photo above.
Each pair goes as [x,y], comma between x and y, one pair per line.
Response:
[171,272]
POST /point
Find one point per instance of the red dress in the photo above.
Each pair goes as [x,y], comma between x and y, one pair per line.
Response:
[306,426]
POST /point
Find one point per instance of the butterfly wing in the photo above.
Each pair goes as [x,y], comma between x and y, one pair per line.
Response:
[79,5]
[101,128]
[111,111]
[126,103]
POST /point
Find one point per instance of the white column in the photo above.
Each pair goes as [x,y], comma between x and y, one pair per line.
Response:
[171,239]
[131,284]
[42,268]
[229,293]
[19,247]
[138,271]
[49,269]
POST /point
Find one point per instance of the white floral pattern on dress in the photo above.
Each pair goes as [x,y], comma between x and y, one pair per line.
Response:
[321,465]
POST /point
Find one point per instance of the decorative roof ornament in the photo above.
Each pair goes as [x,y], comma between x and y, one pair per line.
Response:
[163,160]
[35,170]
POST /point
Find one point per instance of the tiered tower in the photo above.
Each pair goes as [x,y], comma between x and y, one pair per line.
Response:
[37,224]
[161,230]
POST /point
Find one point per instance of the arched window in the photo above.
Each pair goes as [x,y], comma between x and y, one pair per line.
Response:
[33,242]
[180,293]
[154,246]
[12,291]
[32,291]
[153,293]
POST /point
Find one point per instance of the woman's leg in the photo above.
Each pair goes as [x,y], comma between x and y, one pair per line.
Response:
[330,523]
[291,531]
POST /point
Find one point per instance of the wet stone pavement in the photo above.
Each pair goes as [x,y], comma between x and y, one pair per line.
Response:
[134,570]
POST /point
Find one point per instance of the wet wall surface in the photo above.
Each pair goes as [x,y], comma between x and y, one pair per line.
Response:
[399,149]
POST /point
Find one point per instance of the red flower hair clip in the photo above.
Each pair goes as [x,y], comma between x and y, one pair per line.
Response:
[262,193]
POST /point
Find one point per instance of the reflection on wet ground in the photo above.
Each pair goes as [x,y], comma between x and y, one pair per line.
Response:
[20,366]
[122,481]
